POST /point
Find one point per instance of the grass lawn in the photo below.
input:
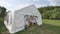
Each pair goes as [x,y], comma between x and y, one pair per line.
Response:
[48,27]
[2,26]
[52,22]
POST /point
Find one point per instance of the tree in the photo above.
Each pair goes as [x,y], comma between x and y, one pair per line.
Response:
[50,12]
[3,12]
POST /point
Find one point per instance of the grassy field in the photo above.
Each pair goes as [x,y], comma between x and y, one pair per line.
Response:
[48,27]
[2,26]
[52,22]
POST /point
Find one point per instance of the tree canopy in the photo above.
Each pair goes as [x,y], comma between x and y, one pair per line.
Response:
[2,11]
[50,12]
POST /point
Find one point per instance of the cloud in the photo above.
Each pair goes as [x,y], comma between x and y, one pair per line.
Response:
[18,4]
[53,2]
[41,3]
[35,0]
[16,7]
[5,4]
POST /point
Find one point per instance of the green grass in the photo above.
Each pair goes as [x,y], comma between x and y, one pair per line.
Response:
[2,26]
[48,27]
[52,22]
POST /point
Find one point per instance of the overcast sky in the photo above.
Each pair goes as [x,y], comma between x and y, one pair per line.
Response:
[18,4]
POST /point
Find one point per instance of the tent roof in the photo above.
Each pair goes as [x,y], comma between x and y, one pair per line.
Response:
[26,7]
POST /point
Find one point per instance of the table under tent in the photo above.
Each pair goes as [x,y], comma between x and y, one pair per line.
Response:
[16,20]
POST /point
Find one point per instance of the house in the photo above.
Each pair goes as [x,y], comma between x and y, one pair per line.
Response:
[16,20]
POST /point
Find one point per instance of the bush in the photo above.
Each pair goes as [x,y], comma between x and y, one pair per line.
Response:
[52,14]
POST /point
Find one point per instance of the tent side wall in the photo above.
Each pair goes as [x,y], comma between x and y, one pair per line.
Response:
[32,10]
[8,21]
[18,22]
[39,20]
[11,22]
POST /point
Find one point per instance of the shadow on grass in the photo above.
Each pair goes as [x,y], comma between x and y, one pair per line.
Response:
[43,29]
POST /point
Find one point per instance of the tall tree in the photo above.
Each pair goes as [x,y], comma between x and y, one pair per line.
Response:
[3,12]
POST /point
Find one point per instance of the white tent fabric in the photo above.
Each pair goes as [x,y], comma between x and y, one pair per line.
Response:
[17,20]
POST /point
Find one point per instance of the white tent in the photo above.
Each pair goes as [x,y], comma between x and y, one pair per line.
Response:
[15,19]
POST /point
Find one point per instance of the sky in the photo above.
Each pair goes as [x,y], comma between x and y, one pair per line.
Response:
[13,5]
